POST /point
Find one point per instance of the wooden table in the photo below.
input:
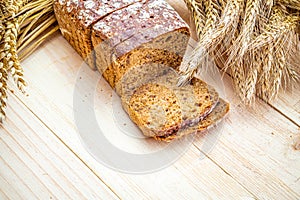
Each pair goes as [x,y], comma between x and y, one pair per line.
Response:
[256,155]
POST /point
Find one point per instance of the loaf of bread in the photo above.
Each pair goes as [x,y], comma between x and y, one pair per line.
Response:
[139,46]
[149,31]
[76,18]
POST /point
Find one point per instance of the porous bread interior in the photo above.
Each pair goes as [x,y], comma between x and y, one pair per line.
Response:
[155,109]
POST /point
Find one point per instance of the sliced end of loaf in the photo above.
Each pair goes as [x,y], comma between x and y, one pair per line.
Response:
[218,113]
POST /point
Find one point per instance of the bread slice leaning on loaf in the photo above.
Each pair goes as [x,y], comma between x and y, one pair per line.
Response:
[149,31]
[159,107]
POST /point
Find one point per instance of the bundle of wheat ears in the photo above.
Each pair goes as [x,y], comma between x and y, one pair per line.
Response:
[24,25]
[256,41]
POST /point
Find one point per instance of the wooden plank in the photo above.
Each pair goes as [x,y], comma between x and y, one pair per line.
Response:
[3,196]
[13,186]
[51,99]
[36,165]
[288,103]
[257,149]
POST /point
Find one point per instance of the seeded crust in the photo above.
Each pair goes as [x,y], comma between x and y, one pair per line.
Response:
[76,18]
[149,31]
[160,94]
[220,110]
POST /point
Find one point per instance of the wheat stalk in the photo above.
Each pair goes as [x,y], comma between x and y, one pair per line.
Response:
[246,34]
[225,28]
[22,29]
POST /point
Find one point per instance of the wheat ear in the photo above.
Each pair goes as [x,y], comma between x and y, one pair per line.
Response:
[196,7]
[224,30]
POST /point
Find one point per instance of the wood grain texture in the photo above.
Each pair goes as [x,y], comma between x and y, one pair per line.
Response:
[34,164]
[288,103]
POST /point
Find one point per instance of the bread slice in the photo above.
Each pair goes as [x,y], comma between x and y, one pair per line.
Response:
[161,108]
[220,110]
[150,31]
[76,18]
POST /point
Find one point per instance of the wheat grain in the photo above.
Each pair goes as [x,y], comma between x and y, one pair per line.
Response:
[246,34]
[294,4]
[3,90]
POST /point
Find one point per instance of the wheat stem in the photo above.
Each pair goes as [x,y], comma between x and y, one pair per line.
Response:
[30,49]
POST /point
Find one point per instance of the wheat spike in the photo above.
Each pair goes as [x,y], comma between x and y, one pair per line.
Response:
[279,24]
[264,83]
[238,75]
[224,30]
[246,34]
[252,76]
[196,7]
[212,10]
[14,67]
[294,4]
[280,41]
[277,70]
[3,91]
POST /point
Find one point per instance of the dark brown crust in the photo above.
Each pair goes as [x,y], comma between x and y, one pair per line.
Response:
[76,19]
